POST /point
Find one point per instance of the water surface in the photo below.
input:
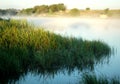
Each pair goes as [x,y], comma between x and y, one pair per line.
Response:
[106,30]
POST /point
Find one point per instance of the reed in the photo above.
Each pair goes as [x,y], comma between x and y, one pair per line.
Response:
[23,47]
[93,79]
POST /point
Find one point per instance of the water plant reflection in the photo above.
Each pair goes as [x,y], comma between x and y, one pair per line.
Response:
[24,49]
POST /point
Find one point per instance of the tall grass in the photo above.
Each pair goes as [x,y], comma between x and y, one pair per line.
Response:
[93,79]
[23,47]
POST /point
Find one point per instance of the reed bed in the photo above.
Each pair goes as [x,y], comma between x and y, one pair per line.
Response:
[23,47]
[93,79]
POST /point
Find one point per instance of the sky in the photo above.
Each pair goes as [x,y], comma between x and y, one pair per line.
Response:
[80,4]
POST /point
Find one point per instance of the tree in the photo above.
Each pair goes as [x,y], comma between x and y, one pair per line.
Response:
[53,8]
[57,7]
[87,9]
[106,10]
[44,9]
[27,11]
[61,7]
[11,11]
[74,11]
[8,12]
[41,9]
[2,12]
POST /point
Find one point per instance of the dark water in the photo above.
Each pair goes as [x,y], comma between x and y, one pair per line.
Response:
[106,30]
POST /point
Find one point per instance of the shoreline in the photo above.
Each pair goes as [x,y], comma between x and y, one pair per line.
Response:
[58,16]
[94,16]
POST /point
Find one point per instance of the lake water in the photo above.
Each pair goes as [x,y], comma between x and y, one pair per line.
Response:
[106,30]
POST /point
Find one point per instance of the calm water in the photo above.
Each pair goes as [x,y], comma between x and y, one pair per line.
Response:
[106,30]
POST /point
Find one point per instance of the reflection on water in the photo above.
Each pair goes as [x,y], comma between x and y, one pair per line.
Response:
[80,25]
[107,30]
[61,78]
[65,69]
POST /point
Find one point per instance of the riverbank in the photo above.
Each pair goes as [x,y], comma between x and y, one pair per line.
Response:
[107,13]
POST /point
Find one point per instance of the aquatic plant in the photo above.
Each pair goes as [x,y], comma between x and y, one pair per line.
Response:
[23,47]
[93,79]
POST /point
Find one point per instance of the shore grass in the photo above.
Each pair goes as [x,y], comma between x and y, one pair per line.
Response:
[23,47]
[93,79]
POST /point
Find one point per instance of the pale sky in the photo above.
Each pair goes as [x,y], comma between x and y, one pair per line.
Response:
[81,4]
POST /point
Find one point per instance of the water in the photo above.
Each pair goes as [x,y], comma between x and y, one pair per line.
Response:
[106,30]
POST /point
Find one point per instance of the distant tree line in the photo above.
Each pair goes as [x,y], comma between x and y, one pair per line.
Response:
[59,8]
[8,12]
[74,12]
[44,9]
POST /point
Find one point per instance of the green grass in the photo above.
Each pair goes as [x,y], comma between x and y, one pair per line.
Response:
[92,79]
[23,47]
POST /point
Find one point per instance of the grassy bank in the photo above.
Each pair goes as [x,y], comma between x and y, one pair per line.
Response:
[22,47]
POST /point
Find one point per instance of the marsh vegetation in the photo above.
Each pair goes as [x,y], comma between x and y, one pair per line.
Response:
[93,79]
[24,48]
